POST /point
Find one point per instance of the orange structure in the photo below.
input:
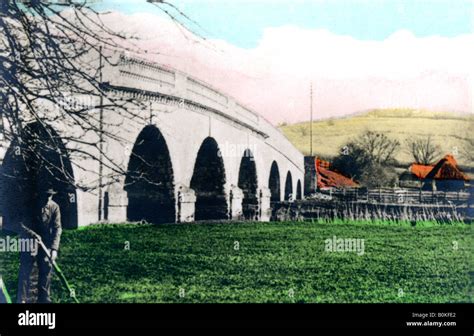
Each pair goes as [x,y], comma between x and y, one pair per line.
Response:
[327,178]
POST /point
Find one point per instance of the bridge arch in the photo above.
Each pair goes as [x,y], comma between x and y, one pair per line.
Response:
[150,180]
[299,192]
[208,182]
[248,183]
[39,162]
[288,186]
[274,183]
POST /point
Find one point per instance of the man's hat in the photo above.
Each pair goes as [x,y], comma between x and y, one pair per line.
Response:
[51,191]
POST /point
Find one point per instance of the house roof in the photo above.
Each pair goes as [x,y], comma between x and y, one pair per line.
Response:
[420,170]
[447,169]
[327,178]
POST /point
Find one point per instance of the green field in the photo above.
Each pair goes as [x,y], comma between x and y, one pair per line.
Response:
[449,130]
[274,262]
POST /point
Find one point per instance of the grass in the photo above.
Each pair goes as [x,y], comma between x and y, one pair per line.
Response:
[262,262]
[449,130]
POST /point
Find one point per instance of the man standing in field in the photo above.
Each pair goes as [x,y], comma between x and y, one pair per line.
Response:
[46,222]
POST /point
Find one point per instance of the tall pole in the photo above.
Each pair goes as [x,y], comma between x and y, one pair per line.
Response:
[101,138]
[311,119]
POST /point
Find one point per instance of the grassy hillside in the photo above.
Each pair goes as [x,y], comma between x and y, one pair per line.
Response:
[274,262]
[449,130]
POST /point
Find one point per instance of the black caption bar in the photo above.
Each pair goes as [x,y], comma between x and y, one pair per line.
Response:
[433,319]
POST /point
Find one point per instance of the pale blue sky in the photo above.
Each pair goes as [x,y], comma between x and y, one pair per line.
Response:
[242,22]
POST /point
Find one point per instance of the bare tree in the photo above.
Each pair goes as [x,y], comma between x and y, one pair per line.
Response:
[378,147]
[369,159]
[423,150]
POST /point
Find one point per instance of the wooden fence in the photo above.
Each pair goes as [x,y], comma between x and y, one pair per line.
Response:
[398,196]
[386,204]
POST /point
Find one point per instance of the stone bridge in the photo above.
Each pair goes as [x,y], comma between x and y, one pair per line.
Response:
[196,154]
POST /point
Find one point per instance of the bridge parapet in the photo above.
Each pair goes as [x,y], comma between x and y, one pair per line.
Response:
[139,74]
[134,73]
[200,92]
[246,114]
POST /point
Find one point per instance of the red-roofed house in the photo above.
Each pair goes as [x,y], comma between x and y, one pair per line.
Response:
[444,175]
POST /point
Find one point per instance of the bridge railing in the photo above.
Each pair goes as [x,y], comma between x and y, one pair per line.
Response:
[198,91]
[140,74]
[148,76]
